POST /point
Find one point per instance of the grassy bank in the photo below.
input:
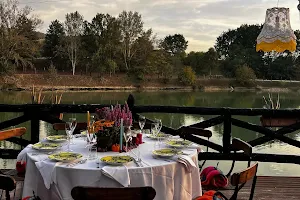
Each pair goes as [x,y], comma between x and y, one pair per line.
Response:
[123,82]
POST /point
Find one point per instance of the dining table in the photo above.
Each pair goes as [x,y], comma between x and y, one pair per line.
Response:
[171,179]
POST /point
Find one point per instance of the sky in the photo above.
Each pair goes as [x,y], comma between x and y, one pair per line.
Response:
[200,21]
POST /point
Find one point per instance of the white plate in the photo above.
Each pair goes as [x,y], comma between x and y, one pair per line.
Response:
[57,138]
[178,143]
[160,136]
[45,146]
[65,156]
[166,153]
[107,160]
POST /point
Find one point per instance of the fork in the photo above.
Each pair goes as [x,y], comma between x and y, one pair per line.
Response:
[77,162]
[139,160]
[40,153]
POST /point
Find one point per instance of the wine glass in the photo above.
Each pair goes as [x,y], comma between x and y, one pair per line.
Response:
[69,134]
[128,137]
[91,137]
[159,124]
[73,123]
[142,122]
[158,128]
[154,132]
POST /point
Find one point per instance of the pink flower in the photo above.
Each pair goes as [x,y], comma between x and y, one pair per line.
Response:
[116,114]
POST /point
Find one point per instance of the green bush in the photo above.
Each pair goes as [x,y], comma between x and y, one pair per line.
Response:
[187,76]
[52,76]
[245,76]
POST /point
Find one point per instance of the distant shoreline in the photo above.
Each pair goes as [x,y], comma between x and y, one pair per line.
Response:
[121,82]
[131,88]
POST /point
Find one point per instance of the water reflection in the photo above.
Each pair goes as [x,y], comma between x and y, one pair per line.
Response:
[202,99]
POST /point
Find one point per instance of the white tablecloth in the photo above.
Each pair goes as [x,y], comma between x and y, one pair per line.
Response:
[170,179]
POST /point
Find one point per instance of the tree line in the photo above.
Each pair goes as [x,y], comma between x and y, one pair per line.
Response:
[121,44]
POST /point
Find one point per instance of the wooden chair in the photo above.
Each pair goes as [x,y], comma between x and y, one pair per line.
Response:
[7,184]
[236,145]
[240,145]
[238,180]
[15,132]
[196,131]
[61,127]
[8,178]
[90,193]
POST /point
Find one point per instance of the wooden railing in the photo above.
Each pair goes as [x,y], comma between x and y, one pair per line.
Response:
[223,116]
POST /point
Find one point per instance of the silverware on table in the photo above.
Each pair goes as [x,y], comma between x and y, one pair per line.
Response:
[164,159]
[139,164]
[41,153]
[76,163]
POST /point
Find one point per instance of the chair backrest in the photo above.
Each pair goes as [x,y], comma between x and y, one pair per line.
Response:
[15,132]
[90,193]
[239,179]
[195,131]
[240,145]
[7,184]
[244,176]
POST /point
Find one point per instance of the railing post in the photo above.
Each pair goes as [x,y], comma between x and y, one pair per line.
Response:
[35,128]
[227,132]
[130,103]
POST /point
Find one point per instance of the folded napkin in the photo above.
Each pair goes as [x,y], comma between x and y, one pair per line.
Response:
[188,162]
[23,154]
[120,174]
[47,170]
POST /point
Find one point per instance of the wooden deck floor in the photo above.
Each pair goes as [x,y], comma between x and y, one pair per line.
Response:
[267,188]
[271,188]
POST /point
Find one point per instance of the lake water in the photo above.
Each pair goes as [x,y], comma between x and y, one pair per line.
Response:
[203,99]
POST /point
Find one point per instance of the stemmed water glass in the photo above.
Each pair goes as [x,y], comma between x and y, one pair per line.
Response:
[154,132]
[73,124]
[91,140]
[69,134]
[158,125]
[128,137]
[142,122]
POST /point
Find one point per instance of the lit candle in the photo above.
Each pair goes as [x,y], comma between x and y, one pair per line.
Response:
[88,118]
[121,135]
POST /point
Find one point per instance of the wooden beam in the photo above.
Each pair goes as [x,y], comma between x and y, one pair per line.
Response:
[19,141]
[209,123]
[282,131]
[227,133]
[249,126]
[204,142]
[49,118]
[14,121]
[216,111]
[9,153]
[261,157]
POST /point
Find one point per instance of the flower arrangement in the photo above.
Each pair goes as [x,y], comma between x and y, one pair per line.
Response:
[110,135]
[115,114]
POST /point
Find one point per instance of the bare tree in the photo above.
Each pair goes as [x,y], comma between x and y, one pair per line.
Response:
[74,29]
[131,29]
